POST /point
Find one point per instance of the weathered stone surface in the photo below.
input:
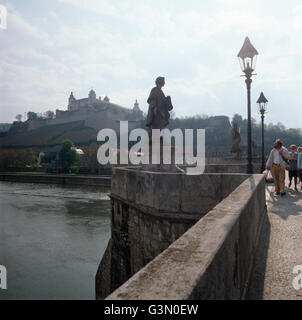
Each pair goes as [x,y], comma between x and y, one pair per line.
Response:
[211,260]
[132,183]
[230,183]
[57,179]
[144,189]
[167,193]
[200,193]
[103,275]
[145,221]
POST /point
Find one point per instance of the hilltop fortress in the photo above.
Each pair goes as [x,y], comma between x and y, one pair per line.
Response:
[74,104]
[80,123]
[95,112]
[83,118]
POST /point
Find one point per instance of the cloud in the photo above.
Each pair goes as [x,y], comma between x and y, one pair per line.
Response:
[119,47]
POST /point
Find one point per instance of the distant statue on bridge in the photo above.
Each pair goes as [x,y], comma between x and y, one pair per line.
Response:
[254,149]
[159,107]
[236,139]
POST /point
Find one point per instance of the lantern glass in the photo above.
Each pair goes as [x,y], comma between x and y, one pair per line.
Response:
[247,56]
[262,107]
[262,103]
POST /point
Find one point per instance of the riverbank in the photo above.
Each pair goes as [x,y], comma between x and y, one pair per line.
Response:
[63,179]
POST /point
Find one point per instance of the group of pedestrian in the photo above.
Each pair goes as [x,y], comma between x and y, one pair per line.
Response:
[280,160]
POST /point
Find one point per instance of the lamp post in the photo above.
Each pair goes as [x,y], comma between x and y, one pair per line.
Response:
[247,58]
[262,102]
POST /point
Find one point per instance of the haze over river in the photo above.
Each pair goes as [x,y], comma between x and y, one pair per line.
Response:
[52,238]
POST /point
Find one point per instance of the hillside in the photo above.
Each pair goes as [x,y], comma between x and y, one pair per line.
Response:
[84,132]
[271,133]
[218,128]
[4,127]
[49,136]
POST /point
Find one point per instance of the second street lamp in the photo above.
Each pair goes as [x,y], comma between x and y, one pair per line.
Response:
[247,57]
[262,102]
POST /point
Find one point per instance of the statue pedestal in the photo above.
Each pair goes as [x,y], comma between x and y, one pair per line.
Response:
[158,158]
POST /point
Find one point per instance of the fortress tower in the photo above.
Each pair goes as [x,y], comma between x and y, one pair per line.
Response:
[71,101]
[77,104]
[92,96]
[136,109]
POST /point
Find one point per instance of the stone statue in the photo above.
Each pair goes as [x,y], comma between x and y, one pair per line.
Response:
[158,118]
[236,139]
[159,107]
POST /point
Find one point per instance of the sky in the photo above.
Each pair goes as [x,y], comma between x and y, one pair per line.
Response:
[119,47]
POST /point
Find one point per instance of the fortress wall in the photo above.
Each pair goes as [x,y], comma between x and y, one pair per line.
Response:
[93,119]
[145,221]
[213,259]
[35,124]
[75,116]
[108,119]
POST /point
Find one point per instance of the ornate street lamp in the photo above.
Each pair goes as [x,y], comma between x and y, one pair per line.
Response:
[247,59]
[262,102]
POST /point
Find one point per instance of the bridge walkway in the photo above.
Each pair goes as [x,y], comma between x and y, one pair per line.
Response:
[280,248]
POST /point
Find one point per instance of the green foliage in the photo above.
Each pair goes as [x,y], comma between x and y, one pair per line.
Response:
[4,127]
[48,157]
[32,115]
[217,134]
[271,133]
[17,159]
[67,154]
[30,157]
[88,161]
[74,169]
[49,114]
[237,118]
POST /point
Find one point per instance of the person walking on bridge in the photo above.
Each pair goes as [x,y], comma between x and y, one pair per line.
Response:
[278,162]
[299,164]
[293,169]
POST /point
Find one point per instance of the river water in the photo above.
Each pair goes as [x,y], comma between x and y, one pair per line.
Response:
[52,239]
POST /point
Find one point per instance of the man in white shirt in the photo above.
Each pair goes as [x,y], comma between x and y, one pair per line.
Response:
[276,156]
[277,162]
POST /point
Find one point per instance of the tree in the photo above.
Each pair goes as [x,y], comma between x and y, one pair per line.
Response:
[237,118]
[29,157]
[271,133]
[89,158]
[17,159]
[49,114]
[31,115]
[281,126]
[19,117]
[68,154]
